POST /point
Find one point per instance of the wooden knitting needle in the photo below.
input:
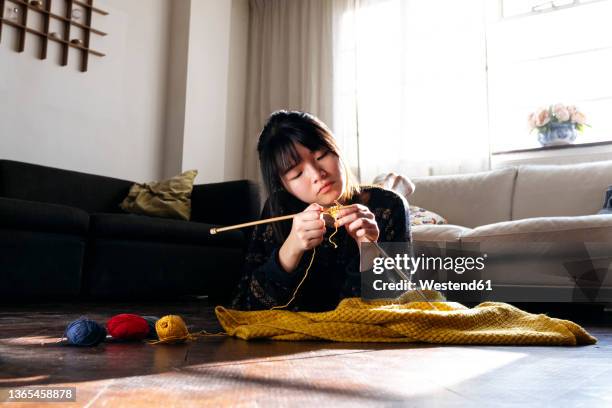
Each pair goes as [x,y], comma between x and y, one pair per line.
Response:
[213,231]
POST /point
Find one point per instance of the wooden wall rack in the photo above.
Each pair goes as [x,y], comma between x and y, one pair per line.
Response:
[44,8]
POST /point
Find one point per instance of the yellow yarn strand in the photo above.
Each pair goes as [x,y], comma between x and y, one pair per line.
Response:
[333,212]
[314,251]
[331,236]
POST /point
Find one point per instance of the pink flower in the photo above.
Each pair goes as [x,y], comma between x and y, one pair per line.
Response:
[578,117]
[561,112]
[542,117]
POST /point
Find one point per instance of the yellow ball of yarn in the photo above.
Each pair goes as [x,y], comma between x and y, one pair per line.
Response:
[171,329]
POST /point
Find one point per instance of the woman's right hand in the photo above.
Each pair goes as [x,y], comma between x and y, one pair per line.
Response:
[308,228]
[307,232]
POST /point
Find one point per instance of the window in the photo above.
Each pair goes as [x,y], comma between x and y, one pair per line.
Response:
[411,92]
[546,52]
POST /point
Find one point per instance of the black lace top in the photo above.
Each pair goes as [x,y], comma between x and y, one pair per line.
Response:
[334,274]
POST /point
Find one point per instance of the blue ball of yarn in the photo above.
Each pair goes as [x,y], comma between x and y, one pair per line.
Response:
[85,332]
[151,320]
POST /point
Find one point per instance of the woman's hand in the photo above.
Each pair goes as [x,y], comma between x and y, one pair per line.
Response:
[359,222]
[308,228]
[307,232]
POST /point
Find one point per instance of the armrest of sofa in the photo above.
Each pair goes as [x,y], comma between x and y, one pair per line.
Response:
[226,203]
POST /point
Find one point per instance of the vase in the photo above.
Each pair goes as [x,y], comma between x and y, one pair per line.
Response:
[558,134]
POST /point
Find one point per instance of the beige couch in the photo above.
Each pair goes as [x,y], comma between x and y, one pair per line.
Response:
[544,217]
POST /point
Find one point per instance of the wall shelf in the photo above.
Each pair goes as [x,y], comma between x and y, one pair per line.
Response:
[44,36]
[57,16]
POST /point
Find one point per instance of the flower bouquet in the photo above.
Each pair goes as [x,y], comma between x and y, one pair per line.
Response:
[557,124]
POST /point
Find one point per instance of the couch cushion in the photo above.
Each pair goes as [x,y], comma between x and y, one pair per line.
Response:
[588,228]
[438,233]
[145,228]
[43,217]
[560,190]
[37,265]
[544,252]
[469,200]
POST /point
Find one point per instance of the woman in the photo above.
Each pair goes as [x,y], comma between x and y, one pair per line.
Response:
[303,171]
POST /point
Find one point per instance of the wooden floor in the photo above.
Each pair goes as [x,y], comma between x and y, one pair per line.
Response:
[228,372]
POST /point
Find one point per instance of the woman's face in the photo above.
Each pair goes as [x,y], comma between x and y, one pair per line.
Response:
[316,178]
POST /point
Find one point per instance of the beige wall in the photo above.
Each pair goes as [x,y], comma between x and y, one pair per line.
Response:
[206,130]
[108,120]
[176,87]
[236,90]
[168,96]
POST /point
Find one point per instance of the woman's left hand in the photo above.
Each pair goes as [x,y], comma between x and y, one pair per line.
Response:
[359,222]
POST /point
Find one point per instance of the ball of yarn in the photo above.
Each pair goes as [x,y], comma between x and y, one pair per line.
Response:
[84,332]
[171,329]
[151,320]
[127,326]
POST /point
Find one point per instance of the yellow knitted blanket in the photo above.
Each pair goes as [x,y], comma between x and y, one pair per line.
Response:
[355,320]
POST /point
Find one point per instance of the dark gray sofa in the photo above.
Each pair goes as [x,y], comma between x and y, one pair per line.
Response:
[63,236]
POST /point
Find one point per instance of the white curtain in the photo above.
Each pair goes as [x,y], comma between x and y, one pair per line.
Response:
[402,83]
[290,65]
[410,85]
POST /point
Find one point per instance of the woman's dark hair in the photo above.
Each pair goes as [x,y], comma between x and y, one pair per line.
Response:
[277,153]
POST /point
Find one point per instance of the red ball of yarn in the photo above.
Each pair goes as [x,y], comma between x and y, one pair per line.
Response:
[127,326]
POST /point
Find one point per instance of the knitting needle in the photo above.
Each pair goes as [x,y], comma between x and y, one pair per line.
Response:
[213,231]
